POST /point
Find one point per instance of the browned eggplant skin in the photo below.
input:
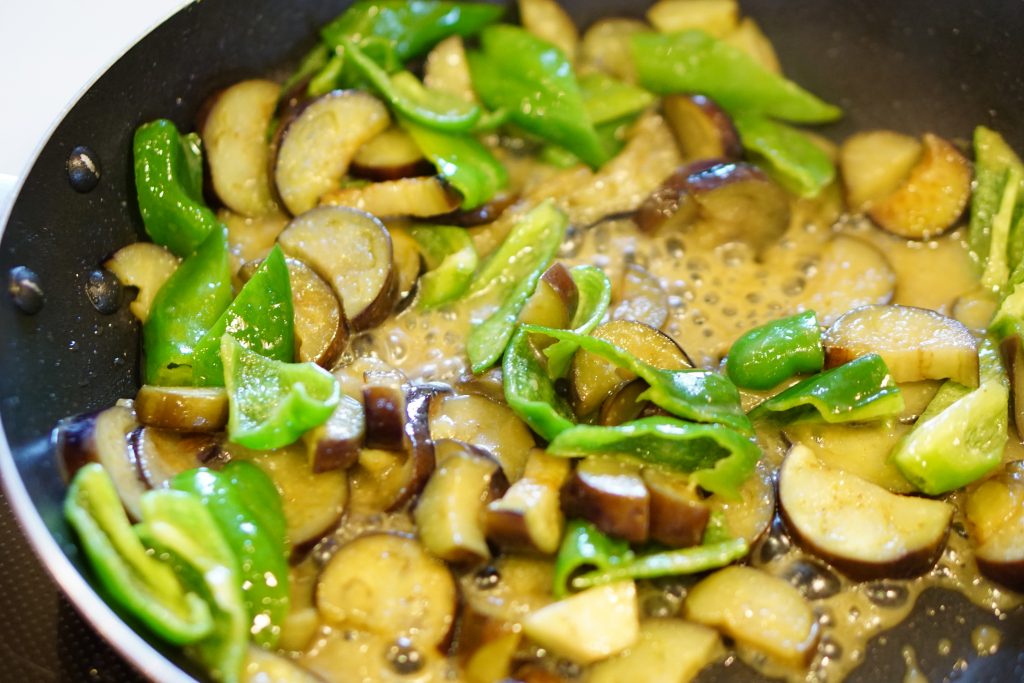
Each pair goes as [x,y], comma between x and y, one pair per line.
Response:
[623,512]
[678,518]
[185,409]
[420,460]
[1013,358]
[717,138]
[385,417]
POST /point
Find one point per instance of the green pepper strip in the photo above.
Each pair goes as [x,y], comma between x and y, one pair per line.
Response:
[998,265]
[185,308]
[169,184]
[695,395]
[431,108]
[534,81]
[509,277]
[769,354]
[993,158]
[584,545]
[262,562]
[961,436]
[789,156]
[312,63]
[693,560]
[530,392]
[595,295]
[451,261]
[719,458]
[270,403]
[140,583]
[607,99]
[463,161]
[412,28]
[178,524]
[693,61]
[259,493]
[856,391]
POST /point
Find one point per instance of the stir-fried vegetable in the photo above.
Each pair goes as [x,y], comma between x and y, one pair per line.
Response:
[767,355]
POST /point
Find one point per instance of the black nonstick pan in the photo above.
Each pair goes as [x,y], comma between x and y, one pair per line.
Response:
[912,65]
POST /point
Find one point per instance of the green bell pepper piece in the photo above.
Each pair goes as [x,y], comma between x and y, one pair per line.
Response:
[185,308]
[262,562]
[962,434]
[143,585]
[530,392]
[431,108]
[509,277]
[584,545]
[693,560]
[788,155]
[595,295]
[179,525]
[857,391]
[261,318]
[719,458]
[696,395]
[312,63]
[270,403]
[330,76]
[769,354]
[463,161]
[996,273]
[693,61]
[260,495]
[451,260]
[992,159]
[607,99]
[410,27]
[169,184]
[534,81]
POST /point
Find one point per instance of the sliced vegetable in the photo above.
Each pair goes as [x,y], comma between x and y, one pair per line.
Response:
[716,17]
[606,46]
[993,159]
[678,514]
[874,163]
[389,156]
[446,69]
[271,404]
[669,563]
[583,546]
[693,61]
[145,266]
[185,308]
[850,274]
[995,510]
[999,262]
[335,444]
[160,454]
[862,389]
[451,261]
[321,330]
[529,515]
[766,355]
[607,99]
[548,21]
[169,183]
[463,161]
[640,297]
[610,493]
[667,651]
[702,129]
[530,392]
[261,319]
[420,197]
[791,157]
[183,409]
[140,583]
[594,290]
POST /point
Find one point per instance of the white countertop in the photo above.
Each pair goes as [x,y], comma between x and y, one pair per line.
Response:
[51,51]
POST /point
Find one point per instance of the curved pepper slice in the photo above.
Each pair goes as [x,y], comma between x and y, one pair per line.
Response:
[530,392]
[463,161]
[700,558]
[261,496]
[262,563]
[769,354]
[595,295]
[451,261]
[184,309]
[179,525]
[787,154]
[270,403]
[169,183]
[140,583]
[584,545]
[261,318]
[719,458]
[856,391]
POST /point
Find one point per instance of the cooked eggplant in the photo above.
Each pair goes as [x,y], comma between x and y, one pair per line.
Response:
[862,529]
[492,661]
[751,515]
[529,515]
[717,17]
[422,197]
[640,297]
[318,145]
[492,426]
[592,625]
[666,651]
[702,129]
[145,266]
[182,409]
[387,584]
[335,444]
[749,38]
[547,20]
[407,259]
[758,610]
[161,454]
[385,417]
[554,302]
[874,163]
[351,656]
[449,512]
[376,481]
[592,379]
[678,515]
[447,69]
[102,437]
[312,503]
[623,405]
[606,46]
[611,494]
[851,273]
[389,156]
[1013,358]
[716,203]
[995,510]
[235,137]
[250,238]
[419,444]
[915,343]
[352,251]
[932,197]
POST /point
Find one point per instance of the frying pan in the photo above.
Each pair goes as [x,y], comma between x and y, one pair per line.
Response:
[914,65]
